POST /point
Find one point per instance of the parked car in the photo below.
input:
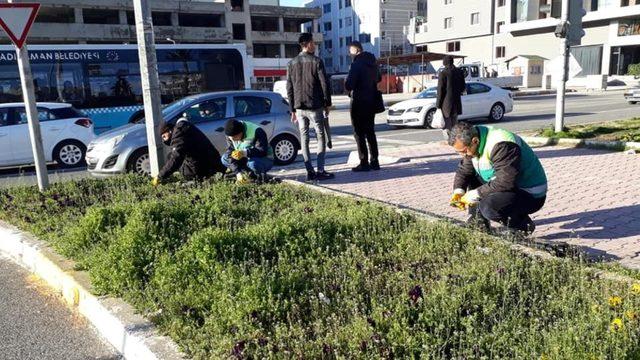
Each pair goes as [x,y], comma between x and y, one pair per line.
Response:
[125,149]
[65,134]
[480,101]
[632,95]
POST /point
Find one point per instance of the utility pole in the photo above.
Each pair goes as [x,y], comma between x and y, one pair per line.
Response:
[389,68]
[562,84]
[150,83]
[29,98]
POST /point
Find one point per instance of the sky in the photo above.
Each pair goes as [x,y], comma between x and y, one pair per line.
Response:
[291,2]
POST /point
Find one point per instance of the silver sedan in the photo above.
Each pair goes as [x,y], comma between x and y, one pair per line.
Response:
[125,149]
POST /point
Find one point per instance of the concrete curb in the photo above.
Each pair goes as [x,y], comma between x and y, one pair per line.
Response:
[585,143]
[133,336]
[431,217]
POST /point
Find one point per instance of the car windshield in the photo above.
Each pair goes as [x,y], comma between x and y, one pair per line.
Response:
[428,93]
[171,108]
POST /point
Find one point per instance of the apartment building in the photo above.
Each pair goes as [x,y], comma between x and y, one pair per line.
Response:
[494,31]
[377,24]
[269,31]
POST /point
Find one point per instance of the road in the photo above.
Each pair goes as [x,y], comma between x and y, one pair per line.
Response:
[530,113]
[36,324]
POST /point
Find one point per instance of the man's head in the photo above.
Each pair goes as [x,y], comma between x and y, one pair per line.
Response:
[355,48]
[447,60]
[234,129]
[465,139]
[208,109]
[306,43]
[166,131]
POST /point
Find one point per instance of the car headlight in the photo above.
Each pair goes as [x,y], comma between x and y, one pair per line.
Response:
[116,140]
[415,109]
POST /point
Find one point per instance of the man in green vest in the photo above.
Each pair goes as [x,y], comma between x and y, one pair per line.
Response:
[249,155]
[500,178]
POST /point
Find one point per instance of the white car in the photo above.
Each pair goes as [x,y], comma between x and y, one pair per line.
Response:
[480,101]
[65,134]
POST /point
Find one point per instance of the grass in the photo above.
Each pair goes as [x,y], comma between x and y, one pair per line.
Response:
[620,130]
[279,272]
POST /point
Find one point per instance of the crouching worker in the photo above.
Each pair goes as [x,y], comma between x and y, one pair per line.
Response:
[191,152]
[500,178]
[249,155]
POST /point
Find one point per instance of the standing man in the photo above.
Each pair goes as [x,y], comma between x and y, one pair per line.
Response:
[499,178]
[309,99]
[191,152]
[362,84]
[451,86]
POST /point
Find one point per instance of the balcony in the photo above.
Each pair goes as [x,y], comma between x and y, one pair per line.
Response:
[284,37]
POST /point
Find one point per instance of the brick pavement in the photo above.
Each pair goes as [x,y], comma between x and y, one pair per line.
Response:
[593,199]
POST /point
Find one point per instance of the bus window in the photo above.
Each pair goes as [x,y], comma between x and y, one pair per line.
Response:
[114,84]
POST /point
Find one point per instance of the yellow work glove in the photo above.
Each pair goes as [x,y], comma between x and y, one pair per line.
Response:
[155,182]
[456,199]
[471,198]
[238,154]
[243,178]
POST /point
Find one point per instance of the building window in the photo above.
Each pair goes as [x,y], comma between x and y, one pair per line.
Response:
[326,8]
[347,3]
[327,26]
[293,25]
[349,40]
[448,2]
[201,20]
[422,48]
[384,16]
[291,50]
[341,61]
[383,35]
[340,4]
[237,5]
[161,18]
[56,15]
[328,44]
[475,18]
[328,62]
[535,70]
[341,42]
[340,22]
[448,23]
[499,26]
[263,23]
[101,16]
[500,52]
[453,46]
[411,15]
[348,21]
[365,38]
[239,32]
[627,27]
[266,50]
[501,3]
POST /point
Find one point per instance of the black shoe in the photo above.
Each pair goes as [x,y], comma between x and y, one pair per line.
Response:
[324,176]
[375,165]
[361,168]
[311,175]
[329,144]
[529,226]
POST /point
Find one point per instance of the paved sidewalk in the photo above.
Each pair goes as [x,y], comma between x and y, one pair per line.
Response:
[593,199]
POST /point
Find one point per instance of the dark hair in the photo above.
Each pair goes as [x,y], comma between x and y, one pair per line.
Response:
[305,39]
[233,127]
[463,131]
[166,127]
[357,45]
[448,60]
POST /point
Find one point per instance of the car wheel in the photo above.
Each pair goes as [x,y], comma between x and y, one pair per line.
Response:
[428,119]
[497,112]
[633,102]
[285,149]
[139,162]
[70,153]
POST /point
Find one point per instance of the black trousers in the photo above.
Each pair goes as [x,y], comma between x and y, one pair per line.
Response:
[510,208]
[363,122]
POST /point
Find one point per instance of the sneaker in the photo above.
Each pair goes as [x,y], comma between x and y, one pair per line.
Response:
[375,165]
[311,176]
[361,168]
[324,176]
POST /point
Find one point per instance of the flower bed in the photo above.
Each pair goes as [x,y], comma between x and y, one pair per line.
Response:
[280,272]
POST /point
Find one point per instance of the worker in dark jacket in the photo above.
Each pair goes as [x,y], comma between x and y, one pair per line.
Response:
[500,178]
[248,154]
[362,84]
[451,86]
[191,152]
[310,101]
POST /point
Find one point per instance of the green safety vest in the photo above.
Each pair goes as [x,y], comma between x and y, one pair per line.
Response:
[249,138]
[531,177]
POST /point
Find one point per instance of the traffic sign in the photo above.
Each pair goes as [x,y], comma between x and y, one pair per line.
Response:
[16,20]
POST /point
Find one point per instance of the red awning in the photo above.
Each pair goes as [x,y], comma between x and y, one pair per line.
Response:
[270,72]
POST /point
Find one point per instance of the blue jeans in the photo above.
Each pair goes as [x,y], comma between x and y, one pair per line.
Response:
[313,118]
[256,165]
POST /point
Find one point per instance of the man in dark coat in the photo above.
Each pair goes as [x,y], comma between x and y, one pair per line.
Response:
[191,152]
[451,86]
[362,84]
